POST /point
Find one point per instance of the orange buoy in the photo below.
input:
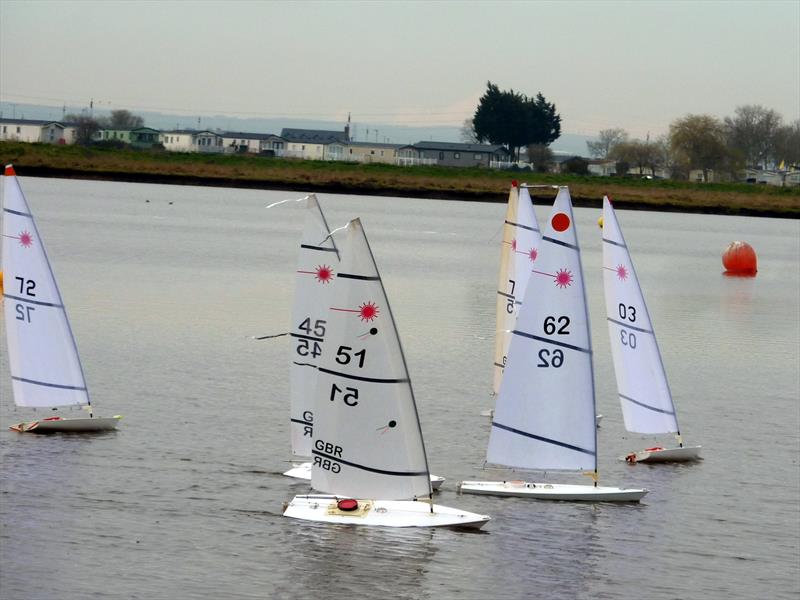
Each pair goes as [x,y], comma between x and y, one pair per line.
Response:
[739,258]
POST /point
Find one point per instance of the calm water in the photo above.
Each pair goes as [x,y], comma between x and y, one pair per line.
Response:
[185,500]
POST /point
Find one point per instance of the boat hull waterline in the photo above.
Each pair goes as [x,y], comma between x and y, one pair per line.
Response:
[661,455]
[383,513]
[303,471]
[62,425]
[552,491]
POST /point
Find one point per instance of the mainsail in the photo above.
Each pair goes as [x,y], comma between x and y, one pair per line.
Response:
[545,413]
[43,358]
[367,436]
[317,266]
[647,405]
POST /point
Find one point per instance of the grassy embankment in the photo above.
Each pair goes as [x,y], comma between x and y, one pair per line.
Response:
[424,182]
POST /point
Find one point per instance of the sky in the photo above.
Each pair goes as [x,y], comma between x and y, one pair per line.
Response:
[605,64]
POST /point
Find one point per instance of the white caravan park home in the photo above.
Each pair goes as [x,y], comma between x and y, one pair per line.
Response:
[191,140]
[37,131]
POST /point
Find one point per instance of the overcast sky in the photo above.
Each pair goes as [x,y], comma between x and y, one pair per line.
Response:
[635,65]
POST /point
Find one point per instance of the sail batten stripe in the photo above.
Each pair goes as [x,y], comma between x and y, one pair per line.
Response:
[51,385]
[318,248]
[29,301]
[543,439]
[302,422]
[607,241]
[520,225]
[370,469]
[499,365]
[499,293]
[360,277]
[647,406]
[627,326]
[306,337]
[549,341]
[299,364]
[360,378]
[559,242]
[17,212]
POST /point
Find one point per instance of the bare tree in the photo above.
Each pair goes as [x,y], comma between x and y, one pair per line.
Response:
[86,126]
[468,132]
[606,140]
[752,131]
[787,144]
[698,142]
[541,156]
[122,120]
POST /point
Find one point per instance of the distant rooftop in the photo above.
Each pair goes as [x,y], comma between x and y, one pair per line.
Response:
[313,136]
[453,146]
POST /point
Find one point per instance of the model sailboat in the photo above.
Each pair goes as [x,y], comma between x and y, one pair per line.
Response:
[647,405]
[317,267]
[46,370]
[545,414]
[369,455]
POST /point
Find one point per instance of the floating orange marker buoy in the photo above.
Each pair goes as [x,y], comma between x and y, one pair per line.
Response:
[739,258]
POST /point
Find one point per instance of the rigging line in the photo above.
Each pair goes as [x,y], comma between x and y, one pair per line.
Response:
[287,200]
[269,337]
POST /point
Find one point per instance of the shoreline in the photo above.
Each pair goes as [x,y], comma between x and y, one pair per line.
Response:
[375,179]
[460,195]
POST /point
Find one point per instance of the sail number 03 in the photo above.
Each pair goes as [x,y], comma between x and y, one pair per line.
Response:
[627,338]
[26,286]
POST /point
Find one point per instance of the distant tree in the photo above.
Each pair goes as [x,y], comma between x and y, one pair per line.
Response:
[467,132]
[86,127]
[698,142]
[637,153]
[541,156]
[514,120]
[575,165]
[752,131]
[121,119]
[787,144]
[606,140]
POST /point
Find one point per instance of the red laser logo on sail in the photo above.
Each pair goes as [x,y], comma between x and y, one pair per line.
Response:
[622,272]
[324,273]
[368,311]
[563,278]
[532,254]
[25,239]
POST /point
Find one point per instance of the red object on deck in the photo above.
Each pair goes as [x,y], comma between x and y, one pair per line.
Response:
[740,258]
[10,171]
[347,505]
[514,183]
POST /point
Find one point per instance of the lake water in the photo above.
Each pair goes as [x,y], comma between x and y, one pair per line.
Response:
[185,500]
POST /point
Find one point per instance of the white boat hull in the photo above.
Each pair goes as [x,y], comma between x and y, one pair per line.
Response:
[382,513]
[552,491]
[303,471]
[62,425]
[660,455]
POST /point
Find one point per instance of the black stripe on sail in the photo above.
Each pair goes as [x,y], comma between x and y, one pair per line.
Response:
[499,365]
[359,378]
[543,439]
[549,341]
[16,212]
[318,248]
[361,277]
[607,241]
[647,406]
[51,385]
[629,326]
[370,469]
[29,301]
[306,337]
[520,225]
[299,364]
[559,242]
[499,293]
[302,422]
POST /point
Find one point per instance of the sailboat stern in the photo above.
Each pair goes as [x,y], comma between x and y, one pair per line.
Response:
[62,425]
[663,455]
[380,513]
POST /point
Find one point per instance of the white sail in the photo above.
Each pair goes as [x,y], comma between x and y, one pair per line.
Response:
[45,368]
[317,266]
[519,250]
[367,437]
[545,413]
[641,381]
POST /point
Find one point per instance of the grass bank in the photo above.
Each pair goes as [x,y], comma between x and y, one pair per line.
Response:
[388,180]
